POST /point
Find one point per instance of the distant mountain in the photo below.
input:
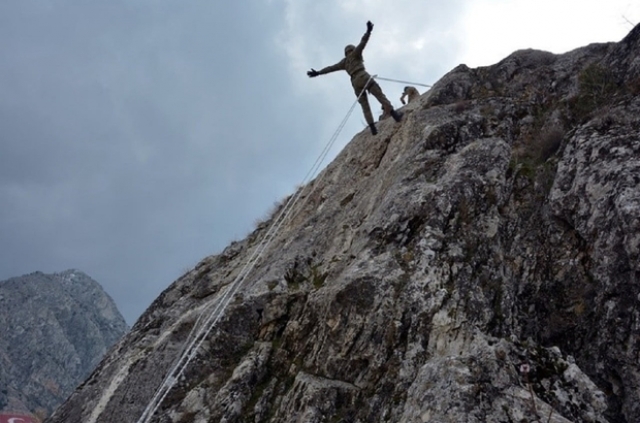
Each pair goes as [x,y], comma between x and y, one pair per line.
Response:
[55,330]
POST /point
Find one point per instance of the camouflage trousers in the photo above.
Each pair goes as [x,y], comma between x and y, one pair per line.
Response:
[359,81]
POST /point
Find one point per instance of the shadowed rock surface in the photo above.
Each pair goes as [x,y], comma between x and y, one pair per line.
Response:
[55,330]
[478,262]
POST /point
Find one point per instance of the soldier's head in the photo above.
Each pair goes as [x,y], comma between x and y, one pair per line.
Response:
[348,49]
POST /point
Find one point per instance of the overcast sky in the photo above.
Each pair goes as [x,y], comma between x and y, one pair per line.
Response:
[139,136]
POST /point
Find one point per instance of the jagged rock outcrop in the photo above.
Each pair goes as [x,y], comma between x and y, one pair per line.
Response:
[478,262]
[55,330]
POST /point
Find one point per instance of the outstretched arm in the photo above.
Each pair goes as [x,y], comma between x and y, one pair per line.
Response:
[365,38]
[338,66]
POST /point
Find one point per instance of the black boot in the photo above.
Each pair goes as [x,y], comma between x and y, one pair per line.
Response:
[373,128]
[397,116]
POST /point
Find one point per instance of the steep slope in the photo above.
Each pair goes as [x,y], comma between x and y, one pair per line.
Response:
[477,262]
[55,329]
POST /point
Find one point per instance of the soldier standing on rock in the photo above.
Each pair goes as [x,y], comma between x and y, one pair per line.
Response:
[353,64]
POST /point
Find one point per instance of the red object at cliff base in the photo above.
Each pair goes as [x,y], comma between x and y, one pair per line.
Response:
[17,418]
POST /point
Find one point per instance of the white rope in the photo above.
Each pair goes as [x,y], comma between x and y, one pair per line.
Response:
[200,331]
[403,82]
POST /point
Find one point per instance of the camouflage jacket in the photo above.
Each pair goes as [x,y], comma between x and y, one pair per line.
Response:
[353,62]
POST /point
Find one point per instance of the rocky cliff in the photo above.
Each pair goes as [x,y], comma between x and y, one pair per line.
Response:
[478,262]
[55,330]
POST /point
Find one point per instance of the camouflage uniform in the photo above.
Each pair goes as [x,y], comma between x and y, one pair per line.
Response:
[353,64]
[384,115]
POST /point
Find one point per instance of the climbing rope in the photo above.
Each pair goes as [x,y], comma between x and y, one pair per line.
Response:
[201,329]
[403,82]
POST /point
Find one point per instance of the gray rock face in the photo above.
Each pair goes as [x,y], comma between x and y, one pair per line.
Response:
[55,330]
[478,262]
